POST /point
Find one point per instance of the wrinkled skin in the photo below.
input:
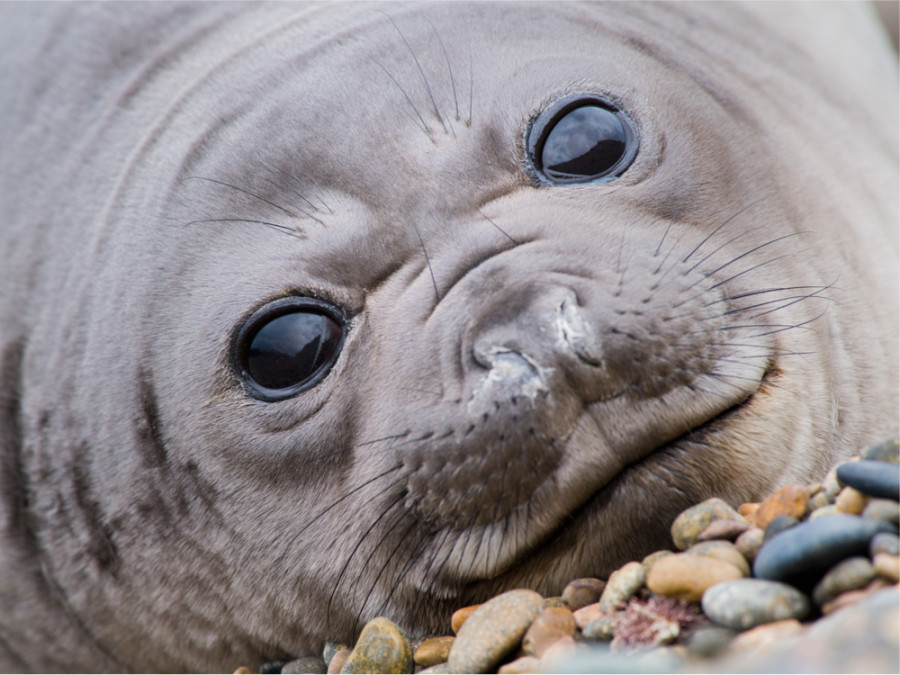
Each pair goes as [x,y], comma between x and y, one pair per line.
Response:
[534,380]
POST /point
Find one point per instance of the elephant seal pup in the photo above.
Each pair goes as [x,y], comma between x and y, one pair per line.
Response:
[312,314]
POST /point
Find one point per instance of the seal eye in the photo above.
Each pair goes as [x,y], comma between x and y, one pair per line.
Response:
[288,346]
[581,140]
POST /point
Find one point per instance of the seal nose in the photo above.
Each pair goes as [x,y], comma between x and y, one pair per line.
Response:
[535,332]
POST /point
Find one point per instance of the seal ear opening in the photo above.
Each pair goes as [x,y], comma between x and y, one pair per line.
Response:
[287,347]
[581,139]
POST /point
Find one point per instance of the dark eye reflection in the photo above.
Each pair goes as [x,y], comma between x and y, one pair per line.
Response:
[581,140]
[288,347]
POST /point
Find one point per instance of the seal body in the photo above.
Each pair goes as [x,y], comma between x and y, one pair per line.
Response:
[529,379]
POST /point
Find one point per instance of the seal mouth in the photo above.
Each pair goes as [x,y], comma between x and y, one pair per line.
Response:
[530,564]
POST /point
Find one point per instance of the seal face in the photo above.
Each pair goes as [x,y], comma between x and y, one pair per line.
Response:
[266,356]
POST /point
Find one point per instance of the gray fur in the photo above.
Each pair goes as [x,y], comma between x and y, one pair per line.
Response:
[527,371]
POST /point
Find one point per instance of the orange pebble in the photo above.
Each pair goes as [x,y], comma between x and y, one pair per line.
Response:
[459,617]
[791,500]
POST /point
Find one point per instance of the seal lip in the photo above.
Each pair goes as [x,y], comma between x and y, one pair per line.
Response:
[538,129]
[272,310]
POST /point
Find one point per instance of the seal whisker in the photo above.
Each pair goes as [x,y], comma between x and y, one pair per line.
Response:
[427,262]
[731,278]
[421,71]
[713,233]
[421,124]
[283,229]
[728,243]
[294,190]
[449,68]
[752,250]
[802,324]
[346,495]
[244,190]
[496,226]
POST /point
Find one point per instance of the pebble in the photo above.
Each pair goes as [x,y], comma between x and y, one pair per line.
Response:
[831,482]
[721,550]
[851,501]
[821,499]
[459,617]
[433,651]
[709,641]
[886,451]
[779,524]
[307,664]
[243,670]
[851,598]
[587,614]
[551,624]
[884,542]
[441,668]
[745,603]
[524,664]
[803,553]
[581,592]
[766,635]
[848,575]
[493,630]
[686,577]
[558,652]
[648,560]
[337,661]
[750,542]
[790,500]
[622,585]
[602,628]
[330,649]
[876,479]
[887,566]
[728,530]
[748,511]
[822,511]
[883,509]
[271,667]
[382,648]
[690,523]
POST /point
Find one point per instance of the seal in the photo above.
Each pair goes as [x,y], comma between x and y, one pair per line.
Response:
[312,313]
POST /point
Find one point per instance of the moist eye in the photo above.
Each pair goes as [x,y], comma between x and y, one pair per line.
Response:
[581,140]
[288,347]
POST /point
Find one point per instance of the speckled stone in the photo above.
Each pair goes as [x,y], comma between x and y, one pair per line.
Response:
[433,651]
[549,626]
[382,648]
[690,523]
[750,542]
[622,585]
[803,553]
[790,500]
[602,628]
[744,603]
[686,577]
[876,479]
[337,661]
[886,451]
[887,566]
[851,501]
[330,649]
[307,664]
[459,617]
[581,592]
[721,550]
[728,530]
[884,542]
[848,575]
[493,630]
[886,510]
